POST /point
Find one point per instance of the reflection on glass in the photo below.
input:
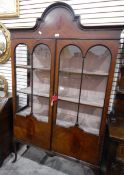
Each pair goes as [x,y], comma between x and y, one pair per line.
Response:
[97,60]
[71,59]
[41,57]
[90,119]
[66,113]
[2,43]
[93,90]
[40,108]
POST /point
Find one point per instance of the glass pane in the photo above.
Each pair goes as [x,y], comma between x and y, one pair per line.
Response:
[41,83]
[23,80]
[66,113]
[41,73]
[70,73]
[90,119]
[69,86]
[22,56]
[71,59]
[40,108]
[97,60]
[93,90]
[41,57]
[23,104]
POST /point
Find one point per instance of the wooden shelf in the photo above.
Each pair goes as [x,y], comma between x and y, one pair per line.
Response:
[95,73]
[92,103]
[41,117]
[68,120]
[36,92]
[64,123]
[69,99]
[23,66]
[41,69]
[38,116]
[72,71]
[24,112]
[34,68]
[82,101]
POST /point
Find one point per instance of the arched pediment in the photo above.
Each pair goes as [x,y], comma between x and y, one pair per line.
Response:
[59,20]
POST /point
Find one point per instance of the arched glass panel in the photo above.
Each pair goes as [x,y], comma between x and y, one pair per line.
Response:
[97,60]
[71,59]
[69,85]
[94,82]
[23,80]
[41,81]
[41,57]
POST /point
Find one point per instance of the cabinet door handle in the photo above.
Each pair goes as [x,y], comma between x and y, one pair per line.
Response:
[54,99]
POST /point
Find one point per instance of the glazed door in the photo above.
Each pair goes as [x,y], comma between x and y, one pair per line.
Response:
[34,113]
[82,70]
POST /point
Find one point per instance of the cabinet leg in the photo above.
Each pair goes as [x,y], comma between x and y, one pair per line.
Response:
[28,147]
[1,163]
[15,151]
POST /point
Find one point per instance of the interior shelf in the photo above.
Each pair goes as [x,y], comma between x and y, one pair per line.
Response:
[23,66]
[92,98]
[72,71]
[89,117]
[42,68]
[88,123]
[90,102]
[98,73]
[67,122]
[85,99]
[34,68]
[38,116]
[36,91]
[26,111]
[69,99]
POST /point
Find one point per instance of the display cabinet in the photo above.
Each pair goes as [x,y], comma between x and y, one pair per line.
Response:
[62,79]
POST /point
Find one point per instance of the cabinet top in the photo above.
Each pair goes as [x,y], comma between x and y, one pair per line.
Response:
[59,21]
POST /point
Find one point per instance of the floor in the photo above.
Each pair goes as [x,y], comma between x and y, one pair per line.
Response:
[36,162]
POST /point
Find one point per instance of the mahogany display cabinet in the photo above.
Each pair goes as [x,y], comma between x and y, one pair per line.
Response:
[62,79]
